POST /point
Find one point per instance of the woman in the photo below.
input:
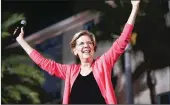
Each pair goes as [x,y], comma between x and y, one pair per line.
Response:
[90,81]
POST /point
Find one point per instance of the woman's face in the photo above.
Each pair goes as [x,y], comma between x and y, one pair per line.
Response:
[84,47]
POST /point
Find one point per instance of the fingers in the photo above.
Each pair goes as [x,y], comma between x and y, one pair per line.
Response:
[22,30]
[15,30]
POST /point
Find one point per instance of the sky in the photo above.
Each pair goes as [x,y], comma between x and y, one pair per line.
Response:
[40,14]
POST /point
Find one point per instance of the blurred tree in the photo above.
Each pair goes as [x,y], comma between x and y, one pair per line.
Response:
[153,38]
[21,82]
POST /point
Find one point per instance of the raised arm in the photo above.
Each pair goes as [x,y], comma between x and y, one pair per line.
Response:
[110,57]
[28,49]
[135,7]
[48,65]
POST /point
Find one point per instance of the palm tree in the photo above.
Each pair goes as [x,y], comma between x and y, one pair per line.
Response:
[21,81]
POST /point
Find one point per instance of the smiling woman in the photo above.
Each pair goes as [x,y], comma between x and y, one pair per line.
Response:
[88,82]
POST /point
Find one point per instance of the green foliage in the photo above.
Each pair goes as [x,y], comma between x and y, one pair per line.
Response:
[20,78]
[21,81]
[13,19]
[5,34]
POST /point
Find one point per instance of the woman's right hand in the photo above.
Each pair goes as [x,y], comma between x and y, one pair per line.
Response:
[21,35]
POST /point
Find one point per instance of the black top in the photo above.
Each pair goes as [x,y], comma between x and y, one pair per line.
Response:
[86,91]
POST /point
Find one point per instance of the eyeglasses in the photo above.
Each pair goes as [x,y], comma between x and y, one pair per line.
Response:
[82,43]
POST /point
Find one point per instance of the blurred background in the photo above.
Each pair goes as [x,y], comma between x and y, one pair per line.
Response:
[140,76]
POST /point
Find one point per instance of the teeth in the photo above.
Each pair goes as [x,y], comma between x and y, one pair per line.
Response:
[86,51]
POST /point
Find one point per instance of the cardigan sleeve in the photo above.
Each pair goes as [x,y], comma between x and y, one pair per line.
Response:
[110,57]
[52,67]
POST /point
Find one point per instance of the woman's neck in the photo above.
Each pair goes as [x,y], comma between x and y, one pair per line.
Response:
[86,63]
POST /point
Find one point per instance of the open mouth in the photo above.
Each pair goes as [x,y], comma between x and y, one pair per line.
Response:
[86,51]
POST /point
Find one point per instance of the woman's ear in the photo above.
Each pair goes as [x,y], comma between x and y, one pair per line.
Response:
[75,52]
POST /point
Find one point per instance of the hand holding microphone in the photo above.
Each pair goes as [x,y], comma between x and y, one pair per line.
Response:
[20,30]
[21,35]
[20,38]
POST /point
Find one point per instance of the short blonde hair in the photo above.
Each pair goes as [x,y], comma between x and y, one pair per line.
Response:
[81,33]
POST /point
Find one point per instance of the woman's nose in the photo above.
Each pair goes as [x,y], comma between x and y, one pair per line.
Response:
[86,45]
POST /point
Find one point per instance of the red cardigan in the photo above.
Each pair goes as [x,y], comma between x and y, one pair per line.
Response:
[101,67]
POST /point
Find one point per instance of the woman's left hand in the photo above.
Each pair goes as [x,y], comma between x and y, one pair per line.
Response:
[135,2]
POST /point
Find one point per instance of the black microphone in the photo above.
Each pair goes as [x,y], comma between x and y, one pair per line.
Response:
[18,29]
